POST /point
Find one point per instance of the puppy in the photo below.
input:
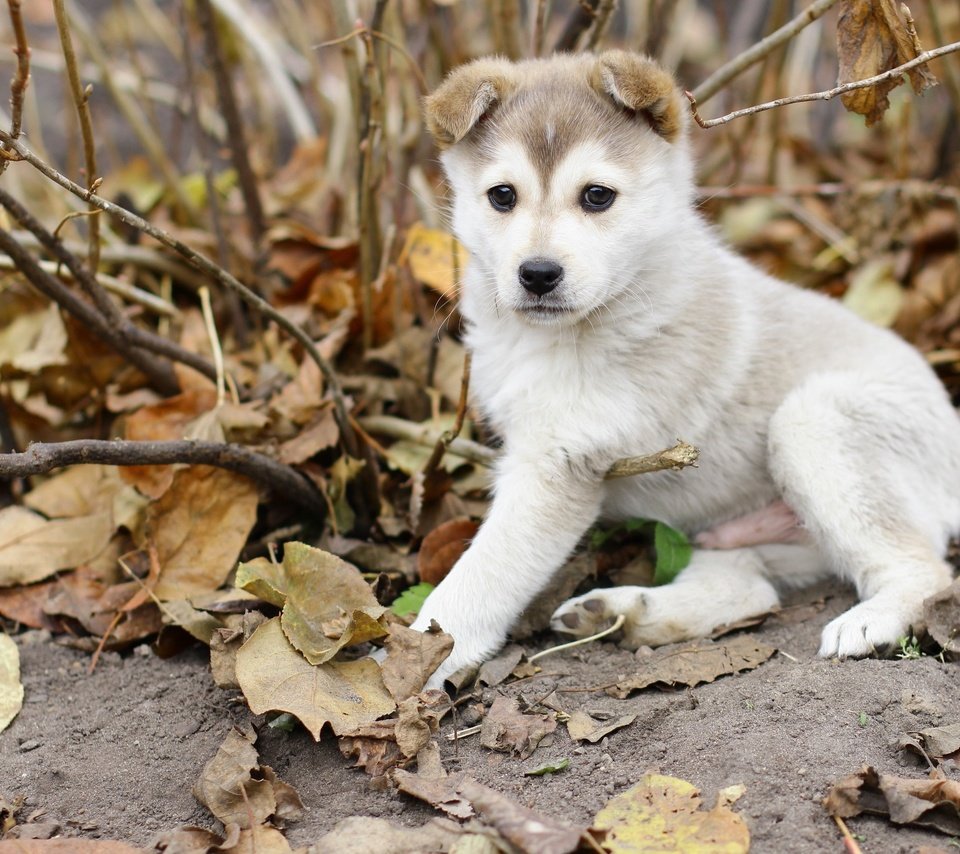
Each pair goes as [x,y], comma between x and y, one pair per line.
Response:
[606,319]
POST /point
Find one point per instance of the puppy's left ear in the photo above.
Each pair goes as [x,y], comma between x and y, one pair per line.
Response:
[469,93]
[635,82]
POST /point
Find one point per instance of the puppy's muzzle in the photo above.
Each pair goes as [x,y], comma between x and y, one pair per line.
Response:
[539,276]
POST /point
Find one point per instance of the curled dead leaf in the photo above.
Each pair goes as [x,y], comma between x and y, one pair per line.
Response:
[442,548]
[506,728]
[11,689]
[412,657]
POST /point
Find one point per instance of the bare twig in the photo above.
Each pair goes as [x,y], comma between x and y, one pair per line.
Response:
[827,95]
[42,457]
[617,625]
[81,99]
[236,133]
[539,25]
[201,262]
[678,457]
[121,328]
[736,66]
[398,428]
[849,843]
[18,84]
[448,436]
[159,373]
[601,22]
[578,23]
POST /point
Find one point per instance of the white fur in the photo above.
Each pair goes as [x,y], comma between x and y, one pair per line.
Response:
[670,335]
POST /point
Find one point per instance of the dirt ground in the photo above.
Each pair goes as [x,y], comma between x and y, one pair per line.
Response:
[113,754]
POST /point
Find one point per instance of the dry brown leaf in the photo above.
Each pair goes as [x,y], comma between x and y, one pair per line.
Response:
[941,613]
[412,657]
[166,420]
[507,729]
[581,727]
[84,491]
[495,670]
[872,37]
[567,579]
[275,677]
[936,742]
[199,527]
[31,547]
[198,624]
[696,664]
[528,830]
[419,719]
[661,811]
[25,605]
[364,835]
[435,258]
[226,786]
[226,642]
[438,791]
[66,846]
[11,689]
[442,548]
[373,746]
[321,433]
[933,802]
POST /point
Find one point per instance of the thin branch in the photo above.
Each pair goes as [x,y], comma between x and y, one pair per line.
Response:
[122,328]
[81,99]
[448,436]
[159,373]
[602,20]
[18,84]
[539,25]
[236,133]
[827,95]
[580,20]
[398,428]
[218,274]
[41,458]
[678,457]
[736,66]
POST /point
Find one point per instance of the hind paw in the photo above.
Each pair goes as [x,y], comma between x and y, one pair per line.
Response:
[870,628]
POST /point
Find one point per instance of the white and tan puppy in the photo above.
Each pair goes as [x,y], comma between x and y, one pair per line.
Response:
[606,319]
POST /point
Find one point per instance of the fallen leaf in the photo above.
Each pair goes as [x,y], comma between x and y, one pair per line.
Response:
[86,490]
[548,768]
[411,600]
[31,547]
[226,786]
[663,814]
[275,677]
[412,658]
[321,433]
[497,669]
[263,578]
[442,548]
[438,791]
[872,37]
[198,624]
[419,719]
[940,741]
[941,613]
[694,665]
[435,258]
[373,746]
[261,839]
[11,689]
[226,642]
[528,830]
[568,578]
[507,729]
[874,294]
[66,846]
[932,802]
[199,525]
[581,727]
[365,835]
[673,552]
[25,605]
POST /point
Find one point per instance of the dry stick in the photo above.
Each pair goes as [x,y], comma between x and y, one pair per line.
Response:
[678,457]
[539,25]
[827,95]
[236,133]
[449,435]
[577,24]
[723,75]
[601,22]
[123,329]
[201,262]
[81,98]
[18,84]
[849,843]
[949,71]
[42,457]
[159,373]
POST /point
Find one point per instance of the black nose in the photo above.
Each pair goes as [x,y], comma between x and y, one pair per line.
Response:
[540,276]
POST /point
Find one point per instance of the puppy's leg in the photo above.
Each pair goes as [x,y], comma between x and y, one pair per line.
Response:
[717,588]
[543,504]
[855,459]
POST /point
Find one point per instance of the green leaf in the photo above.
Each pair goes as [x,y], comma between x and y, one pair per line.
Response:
[549,768]
[411,600]
[673,553]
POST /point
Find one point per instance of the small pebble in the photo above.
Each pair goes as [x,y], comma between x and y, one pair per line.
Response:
[30,744]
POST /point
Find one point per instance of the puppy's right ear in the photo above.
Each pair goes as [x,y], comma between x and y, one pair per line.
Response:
[468,94]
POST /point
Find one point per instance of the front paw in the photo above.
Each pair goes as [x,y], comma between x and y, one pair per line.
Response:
[870,628]
[596,611]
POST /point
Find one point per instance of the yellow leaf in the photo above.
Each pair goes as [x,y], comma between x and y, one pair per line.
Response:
[31,547]
[663,814]
[11,691]
[435,258]
[275,677]
[874,294]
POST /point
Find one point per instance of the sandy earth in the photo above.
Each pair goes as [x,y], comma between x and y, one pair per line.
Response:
[113,754]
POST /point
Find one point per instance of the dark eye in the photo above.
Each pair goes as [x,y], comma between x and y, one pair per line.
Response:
[596,198]
[503,197]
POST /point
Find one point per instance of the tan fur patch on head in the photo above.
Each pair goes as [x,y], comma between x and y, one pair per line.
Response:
[468,93]
[637,83]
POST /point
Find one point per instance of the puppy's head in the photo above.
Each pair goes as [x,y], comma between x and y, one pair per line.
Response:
[568,174]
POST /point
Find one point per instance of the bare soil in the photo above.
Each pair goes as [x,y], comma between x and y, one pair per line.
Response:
[114,753]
